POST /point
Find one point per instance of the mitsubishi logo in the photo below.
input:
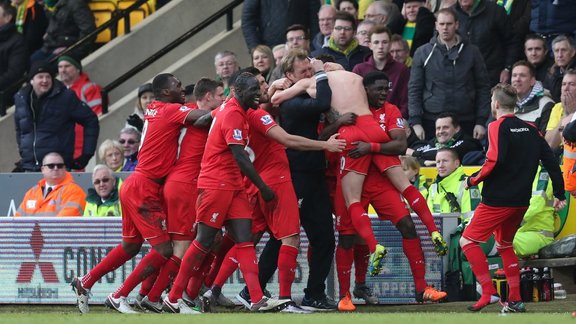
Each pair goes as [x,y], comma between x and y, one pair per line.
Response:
[46,268]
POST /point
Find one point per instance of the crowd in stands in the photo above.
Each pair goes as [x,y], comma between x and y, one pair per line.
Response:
[439,64]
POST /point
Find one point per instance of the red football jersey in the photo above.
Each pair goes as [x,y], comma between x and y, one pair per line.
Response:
[269,157]
[219,169]
[159,144]
[389,117]
[190,151]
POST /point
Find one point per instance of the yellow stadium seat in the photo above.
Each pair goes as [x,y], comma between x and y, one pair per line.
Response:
[137,15]
[103,11]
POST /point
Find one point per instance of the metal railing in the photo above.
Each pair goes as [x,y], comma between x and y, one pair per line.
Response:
[112,24]
[225,11]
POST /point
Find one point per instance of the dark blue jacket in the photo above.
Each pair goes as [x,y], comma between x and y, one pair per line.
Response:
[52,130]
[553,17]
[357,56]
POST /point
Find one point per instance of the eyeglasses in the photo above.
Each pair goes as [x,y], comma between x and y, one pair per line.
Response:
[362,32]
[103,180]
[52,166]
[297,38]
[130,141]
[345,28]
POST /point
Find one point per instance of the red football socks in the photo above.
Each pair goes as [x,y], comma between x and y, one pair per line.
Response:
[115,258]
[418,204]
[191,264]
[361,257]
[479,265]
[151,263]
[246,255]
[413,251]
[510,261]
[362,224]
[344,259]
[229,265]
[286,270]
[166,275]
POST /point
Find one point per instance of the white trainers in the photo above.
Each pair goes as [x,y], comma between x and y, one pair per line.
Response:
[179,307]
[268,304]
[119,304]
[82,295]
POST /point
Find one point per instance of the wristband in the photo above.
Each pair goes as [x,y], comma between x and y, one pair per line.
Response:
[375,147]
[320,75]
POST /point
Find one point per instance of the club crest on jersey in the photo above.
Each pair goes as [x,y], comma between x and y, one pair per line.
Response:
[237,134]
[382,118]
[266,120]
[400,122]
[184,108]
[214,217]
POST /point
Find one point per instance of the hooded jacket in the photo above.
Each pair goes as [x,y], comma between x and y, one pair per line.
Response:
[448,80]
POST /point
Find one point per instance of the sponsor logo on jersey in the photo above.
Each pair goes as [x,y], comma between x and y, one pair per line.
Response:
[519,130]
[266,120]
[237,134]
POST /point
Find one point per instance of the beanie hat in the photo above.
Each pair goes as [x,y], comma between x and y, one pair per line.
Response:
[71,60]
[40,67]
[146,87]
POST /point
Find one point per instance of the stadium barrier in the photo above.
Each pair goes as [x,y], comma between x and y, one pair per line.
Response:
[40,257]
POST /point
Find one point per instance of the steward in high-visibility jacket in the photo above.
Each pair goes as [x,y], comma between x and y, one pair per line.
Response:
[66,199]
[109,207]
[447,195]
[537,228]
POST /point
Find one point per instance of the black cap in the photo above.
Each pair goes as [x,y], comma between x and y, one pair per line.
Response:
[40,67]
[146,87]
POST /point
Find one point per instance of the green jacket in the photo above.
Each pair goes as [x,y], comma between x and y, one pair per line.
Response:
[448,195]
[540,215]
[95,206]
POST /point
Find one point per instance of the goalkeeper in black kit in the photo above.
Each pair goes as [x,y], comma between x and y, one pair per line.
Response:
[515,150]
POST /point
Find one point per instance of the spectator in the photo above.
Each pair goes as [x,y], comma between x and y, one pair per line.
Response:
[536,53]
[326,24]
[296,37]
[278,51]
[350,6]
[31,22]
[381,60]
[112,154]
[564,50]
[417,28]
[342,44]
[447,193]
[46,114]
[400,50]
[189,93]
[363,32]
[263,21]
[69,22]
[102,200]
[56,194]
[553,18]
[487,26]
[13,54]
[534,103]
[537,228]
[130,140]
[145,97]
[382,13]
[71,74]
[226,63]
[263,60]
[563,111]
[519,13]
[448,135]
[448,75]
[569,156]
[411,168]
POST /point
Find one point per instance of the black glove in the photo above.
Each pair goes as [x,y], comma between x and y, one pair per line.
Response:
[80,163]
[18,167]
[136,121]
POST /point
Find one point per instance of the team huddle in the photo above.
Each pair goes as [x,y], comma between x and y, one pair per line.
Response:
[214,164]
